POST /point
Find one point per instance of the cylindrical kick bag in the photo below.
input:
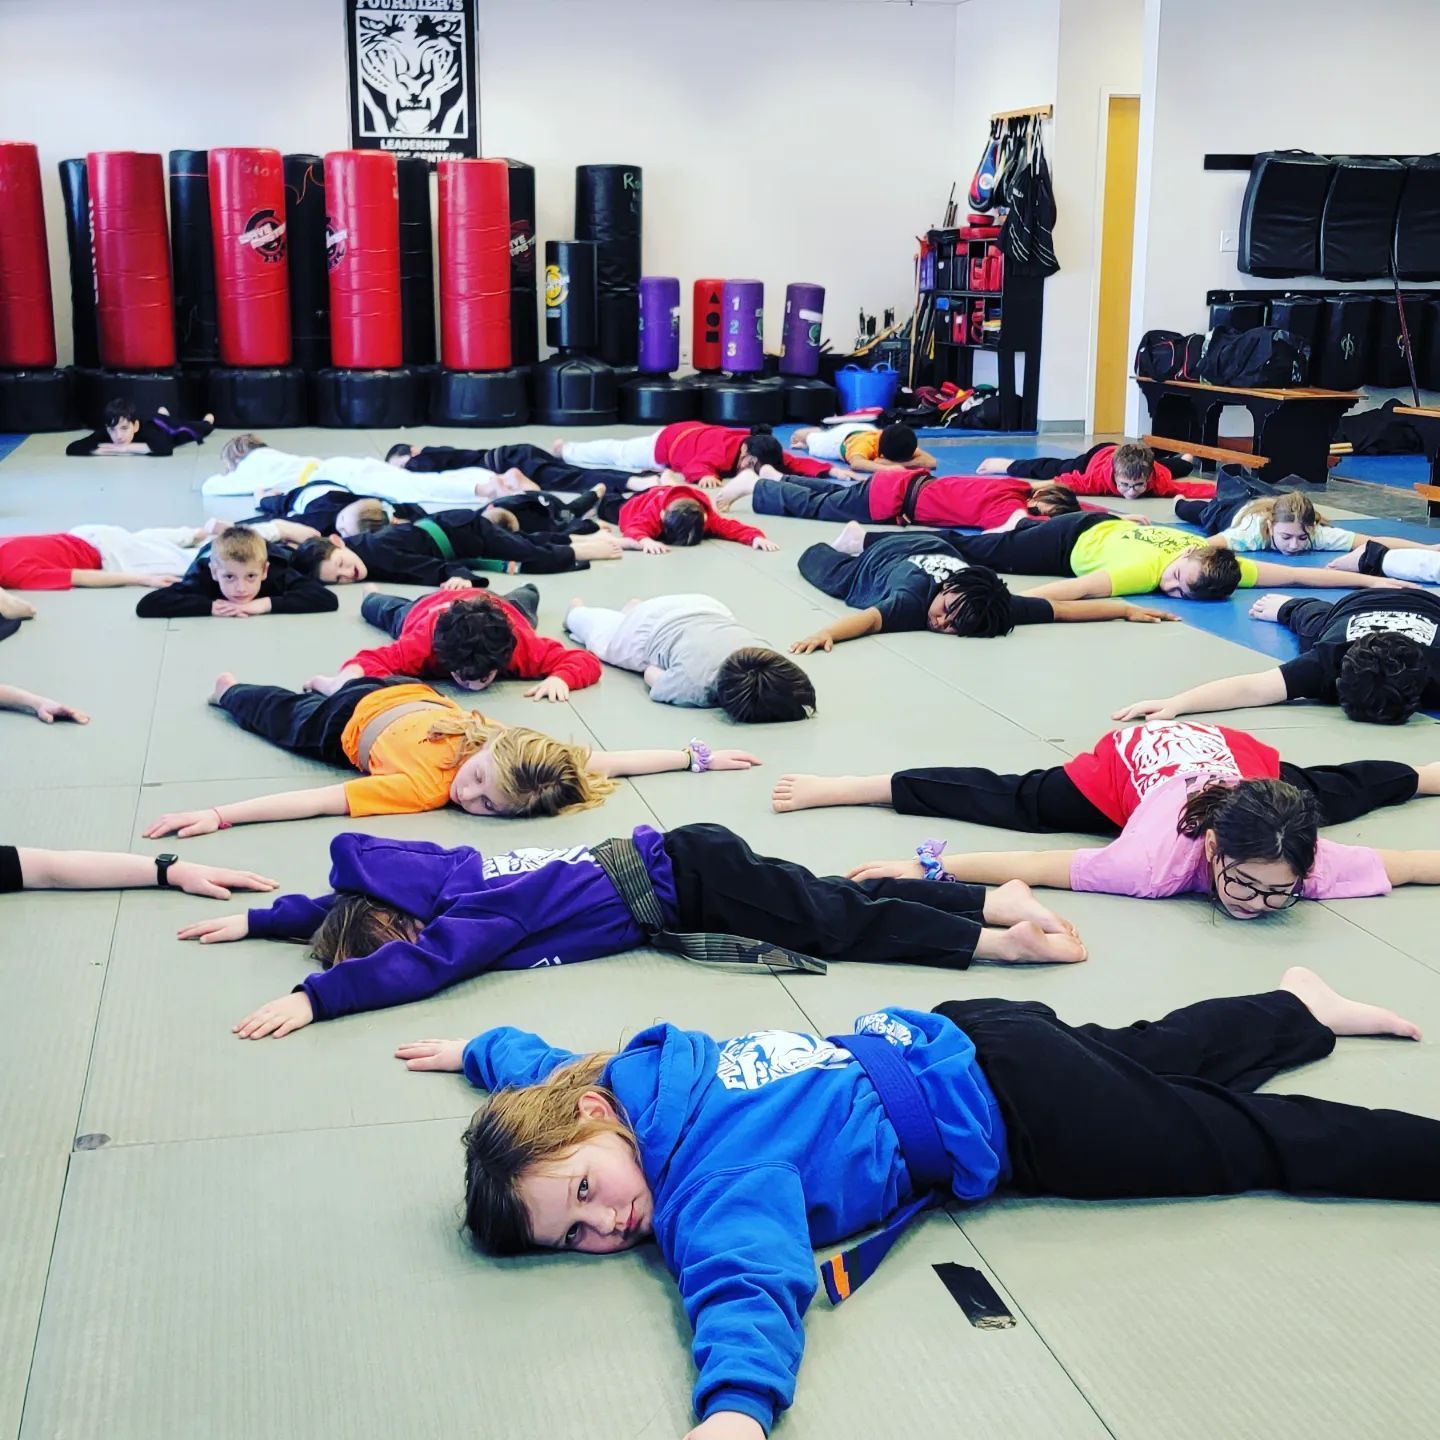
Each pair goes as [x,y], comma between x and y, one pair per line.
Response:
[607,211]
[84,333]
[135,317]
[570,294]
[27,313]
[192,256]
[800,345]
[252,288]
[417,263]
[362,189]
[474,264]
[309,283]
[524,324]
[659,324]
[706,350]
[743,306]
[617,326]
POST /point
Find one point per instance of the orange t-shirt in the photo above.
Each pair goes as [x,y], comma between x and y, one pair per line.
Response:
[408,772]
[862,445]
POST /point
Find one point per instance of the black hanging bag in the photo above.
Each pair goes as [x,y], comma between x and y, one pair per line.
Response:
[1280,215]
[1417,221]
[1357,225]
[1262,357]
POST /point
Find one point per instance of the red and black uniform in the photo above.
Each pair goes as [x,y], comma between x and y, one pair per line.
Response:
[641,517]
[1093,473]
[698,451]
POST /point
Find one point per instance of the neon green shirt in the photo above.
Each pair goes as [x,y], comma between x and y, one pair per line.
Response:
[1135,556]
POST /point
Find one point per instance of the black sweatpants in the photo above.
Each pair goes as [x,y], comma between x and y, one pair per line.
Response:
[549,471]
[1045,801]
[388,612]
[1047,467]
[544,512]
[722,884]
[1233,491]
[1040,549]
[301,721]
[1165,1108]
[812,498]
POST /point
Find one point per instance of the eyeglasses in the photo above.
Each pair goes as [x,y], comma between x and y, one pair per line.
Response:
[1237,886]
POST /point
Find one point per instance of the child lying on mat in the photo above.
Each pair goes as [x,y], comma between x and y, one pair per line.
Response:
[916,580]
[865,448]
[700,454]
[666,515]
[1127,470]
[409,919]
[236,576]
[738,1157]
[125,431]
[417,750]
[692,651]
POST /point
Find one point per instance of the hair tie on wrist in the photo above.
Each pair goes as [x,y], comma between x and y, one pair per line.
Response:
[700,754]
[929,853]
[223,822]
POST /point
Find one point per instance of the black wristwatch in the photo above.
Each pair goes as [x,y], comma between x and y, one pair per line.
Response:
[162,869]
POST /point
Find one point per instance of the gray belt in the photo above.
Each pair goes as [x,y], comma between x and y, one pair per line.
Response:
[371,733]
[620,860]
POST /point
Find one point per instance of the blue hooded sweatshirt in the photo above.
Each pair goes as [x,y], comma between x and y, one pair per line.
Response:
[758,1149]
[516,910]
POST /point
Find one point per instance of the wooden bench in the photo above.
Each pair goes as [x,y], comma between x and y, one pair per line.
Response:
[1426,420]
[1218,453]
[1294,425]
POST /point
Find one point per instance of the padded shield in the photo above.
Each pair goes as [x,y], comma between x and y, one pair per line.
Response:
[1280,214]
[1357,224]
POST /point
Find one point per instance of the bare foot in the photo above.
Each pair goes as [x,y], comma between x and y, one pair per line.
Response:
[208,418]
[851,540]
[517,479]
[1429,782]
[1350,560]
[557,447]
[12,607]
[995,465]
[1027,944]
[734,489]
[323,684]
[599,488]
[814,792]
[643,481]
[1014,902]
[223,681]
[1336,1013]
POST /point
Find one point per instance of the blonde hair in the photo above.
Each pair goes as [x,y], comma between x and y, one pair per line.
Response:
[538,774]
[1133,461]
[1291,508]
[502,516]
[234,450]
[370,515]
[520,1128]
[240,544]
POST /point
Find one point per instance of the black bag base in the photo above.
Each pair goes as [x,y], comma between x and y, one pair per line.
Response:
[148,389]
[743,402]
[479,397]
[657,400]
[368,399]
[570,389]
[809,401]
[256,397]
[35,401]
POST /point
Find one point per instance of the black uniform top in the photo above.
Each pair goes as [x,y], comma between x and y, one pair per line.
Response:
[161,442]
[11,877]
[289,592]
[434,458]
[319,511]
[1327,630]
[407,555]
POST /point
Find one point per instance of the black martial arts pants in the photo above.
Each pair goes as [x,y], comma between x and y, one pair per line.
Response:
[301,721]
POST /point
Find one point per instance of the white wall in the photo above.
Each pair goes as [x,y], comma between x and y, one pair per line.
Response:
[783,139]
[1239,77]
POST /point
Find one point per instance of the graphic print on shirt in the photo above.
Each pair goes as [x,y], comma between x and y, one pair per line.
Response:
[1162,749]
[1400,622]
[522,861]
[880,1022]
[750,1061]
[938,567]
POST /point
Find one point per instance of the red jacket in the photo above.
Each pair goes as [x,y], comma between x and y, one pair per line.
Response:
[1099,479]
[697,450]
[44,562]
[641,517]
[984,501]
[535,656]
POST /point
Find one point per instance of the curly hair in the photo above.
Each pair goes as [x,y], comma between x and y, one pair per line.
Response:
[754,685]
[977,603]
[473,638]
[1382,678]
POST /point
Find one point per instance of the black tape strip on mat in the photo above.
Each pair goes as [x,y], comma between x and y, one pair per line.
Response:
[976,1296]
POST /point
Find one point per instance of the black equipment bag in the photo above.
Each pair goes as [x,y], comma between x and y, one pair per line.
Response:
[1380,432]
[1386,366]
[1260,357]
[1301,315]
[1417,221]
[1427,354]
[1161,355]
[1280,215]
[1357,225]
[1237,315]
[1342,358]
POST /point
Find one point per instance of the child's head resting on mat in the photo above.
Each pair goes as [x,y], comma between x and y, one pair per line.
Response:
[401,454]
[754,686]
[122,421]
[898,443]
[362,517]
[1050,499]
[1287,522]
[502,516]
[682,522]
[974,602]
[239,562]
[556,1166]
[234,450]
[473,641]
[1383,678]
[356,926]
[1260,838]
[1202,573]
[330,560]
[759,448]
[1132,467]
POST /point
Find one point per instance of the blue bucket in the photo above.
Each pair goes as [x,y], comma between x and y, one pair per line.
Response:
[865,389]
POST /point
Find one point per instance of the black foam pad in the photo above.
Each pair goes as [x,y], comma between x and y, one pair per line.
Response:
[573,390]
[259,397]
[417,263]
[1280,215]
[809,401]
[1343,357]
[1417,221]
[192,257]
[649,401]
[607,211]
[35,400]
[1427,355]
[309,279]
[369,399]
[1357,224]
[149,389]
[524,330]
[743,402]
[84,331]
[1238,314]
[478,397]
[1301,315]
[618,326]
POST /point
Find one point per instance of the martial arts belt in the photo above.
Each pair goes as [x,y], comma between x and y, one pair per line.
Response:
[917,482]
[475,562]
[620,859]
[909,1112]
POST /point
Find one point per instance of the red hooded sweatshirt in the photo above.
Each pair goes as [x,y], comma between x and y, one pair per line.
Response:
[641,517]
[1099,479]
[697,451]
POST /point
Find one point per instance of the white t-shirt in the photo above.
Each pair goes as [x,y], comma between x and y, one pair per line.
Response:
[1246,536]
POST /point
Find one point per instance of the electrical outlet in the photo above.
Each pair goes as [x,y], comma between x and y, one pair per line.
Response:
[1229,242]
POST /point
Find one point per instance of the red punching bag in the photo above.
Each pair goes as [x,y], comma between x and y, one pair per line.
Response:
[252,286]
[474,264]
[706,350]
[27,317]
[134,311]
[362,192]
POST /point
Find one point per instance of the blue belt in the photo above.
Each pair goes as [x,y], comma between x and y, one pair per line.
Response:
[909,1112]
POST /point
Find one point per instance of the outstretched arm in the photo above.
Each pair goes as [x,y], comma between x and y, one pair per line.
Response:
[12,697]
[1083,610]
[1049,868]
[108,870]
[1233,692]
[847,627]
[1322,579]
[289,805]
[1095,586]
[617,763]
[1410,867]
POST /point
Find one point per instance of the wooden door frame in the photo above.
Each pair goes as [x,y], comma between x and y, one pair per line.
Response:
[1107,94]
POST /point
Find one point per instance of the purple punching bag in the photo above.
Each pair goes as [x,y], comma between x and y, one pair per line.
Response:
[800,347]
[659,324]
[742,309]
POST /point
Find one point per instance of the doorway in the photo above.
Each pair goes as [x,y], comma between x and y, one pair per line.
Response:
[1117,246]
